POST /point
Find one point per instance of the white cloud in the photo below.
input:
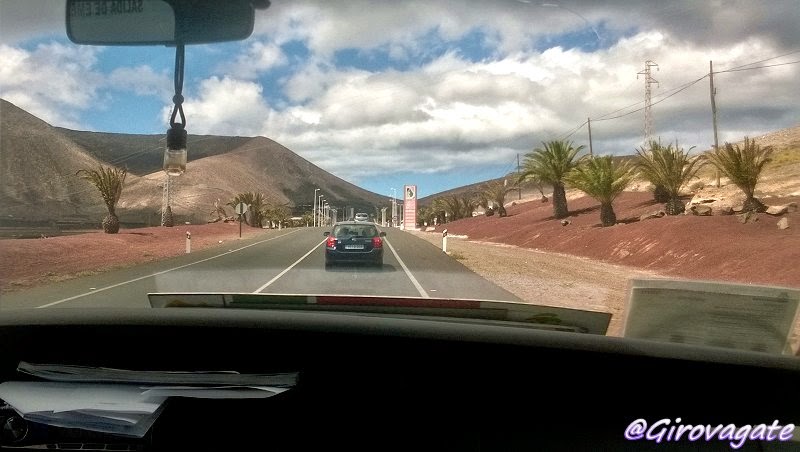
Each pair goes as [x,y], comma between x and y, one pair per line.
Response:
[142,80]
[59,82]
[259,57]
[452,108]
[54,81]
[22,19]
[512,25]
[227,106]
[451,112]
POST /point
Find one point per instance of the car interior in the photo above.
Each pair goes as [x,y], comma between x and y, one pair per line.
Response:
[400,382]
[356,231]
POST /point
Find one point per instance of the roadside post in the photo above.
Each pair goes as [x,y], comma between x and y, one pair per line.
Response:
[444,241]
[188,242]
[241,208]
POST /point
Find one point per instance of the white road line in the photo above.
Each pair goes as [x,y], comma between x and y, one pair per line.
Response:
[286,270]
[414,281]
[162,272]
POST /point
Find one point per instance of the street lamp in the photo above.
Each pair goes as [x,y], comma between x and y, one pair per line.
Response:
[319,210]
[394,205]
[556,5]
[314,206]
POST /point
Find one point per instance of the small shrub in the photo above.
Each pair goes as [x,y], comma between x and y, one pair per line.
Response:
[456,255]
[697,185]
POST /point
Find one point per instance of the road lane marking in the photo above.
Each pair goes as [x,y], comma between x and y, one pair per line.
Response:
[161,272]
[316,247]
[414,281]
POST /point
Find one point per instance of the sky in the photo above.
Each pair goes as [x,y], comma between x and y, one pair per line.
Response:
[434,93]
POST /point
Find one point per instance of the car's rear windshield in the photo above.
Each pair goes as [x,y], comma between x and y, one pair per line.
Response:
[355,231]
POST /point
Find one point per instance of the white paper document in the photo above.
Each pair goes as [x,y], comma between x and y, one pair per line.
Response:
[110,408]
[738,316]
[214,392]
[124,402]
[62,372]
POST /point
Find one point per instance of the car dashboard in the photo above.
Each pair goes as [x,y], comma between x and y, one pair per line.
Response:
[380,382]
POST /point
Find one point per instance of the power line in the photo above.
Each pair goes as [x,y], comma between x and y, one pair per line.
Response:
[758,67]
[572,132]
[761,61]
[664,93]
[685,87]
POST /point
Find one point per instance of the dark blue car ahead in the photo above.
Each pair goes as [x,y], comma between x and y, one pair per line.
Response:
[352,241]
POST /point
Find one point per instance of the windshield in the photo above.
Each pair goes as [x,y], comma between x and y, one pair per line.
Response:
[562,155]
[355,231]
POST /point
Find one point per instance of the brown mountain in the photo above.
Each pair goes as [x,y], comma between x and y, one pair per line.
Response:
[260,165]
[38,163]
[144,154]
[37,170]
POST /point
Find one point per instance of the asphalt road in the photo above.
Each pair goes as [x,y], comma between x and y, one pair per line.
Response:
[290,261]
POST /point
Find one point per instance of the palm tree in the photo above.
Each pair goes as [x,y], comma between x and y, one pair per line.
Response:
[454,207]
[109,182]
[532,179]
[743,166]
[550,165]
[439,208]
[668,168]
[277,213]
[494,192]
[466,205]
[425,215]
[660,194]
[256,207]
[603,180]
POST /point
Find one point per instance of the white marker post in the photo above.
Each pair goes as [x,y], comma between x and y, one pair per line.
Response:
[188,242]
[444,241]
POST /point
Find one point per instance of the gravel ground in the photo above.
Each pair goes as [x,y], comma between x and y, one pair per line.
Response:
[548,278]
[553,279]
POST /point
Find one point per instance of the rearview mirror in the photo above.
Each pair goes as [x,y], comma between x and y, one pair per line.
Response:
[383,234]
[326,233]
[160,22]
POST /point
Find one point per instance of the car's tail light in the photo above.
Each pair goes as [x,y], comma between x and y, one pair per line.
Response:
[331,242]
[377,242]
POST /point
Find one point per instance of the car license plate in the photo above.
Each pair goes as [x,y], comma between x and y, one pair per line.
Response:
[354,247]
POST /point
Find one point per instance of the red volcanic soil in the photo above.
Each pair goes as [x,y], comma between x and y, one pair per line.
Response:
[687,246]
[30,262]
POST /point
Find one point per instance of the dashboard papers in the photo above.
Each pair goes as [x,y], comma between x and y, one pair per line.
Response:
[213,392]
[124,402]
[110,408]
[62,372]
[737,316]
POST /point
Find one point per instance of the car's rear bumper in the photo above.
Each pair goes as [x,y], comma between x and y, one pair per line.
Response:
[374,255]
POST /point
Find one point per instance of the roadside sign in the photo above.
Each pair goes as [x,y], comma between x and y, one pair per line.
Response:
[410,207]
[241,208]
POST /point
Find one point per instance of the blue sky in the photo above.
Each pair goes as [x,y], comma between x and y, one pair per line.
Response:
[440,93]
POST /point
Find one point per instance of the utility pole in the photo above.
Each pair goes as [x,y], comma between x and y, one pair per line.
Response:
[648,104]
[519,173]
[589,123]
[713,108]
[165,200]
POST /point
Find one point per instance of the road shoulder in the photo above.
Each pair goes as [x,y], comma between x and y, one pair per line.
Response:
[546,278]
